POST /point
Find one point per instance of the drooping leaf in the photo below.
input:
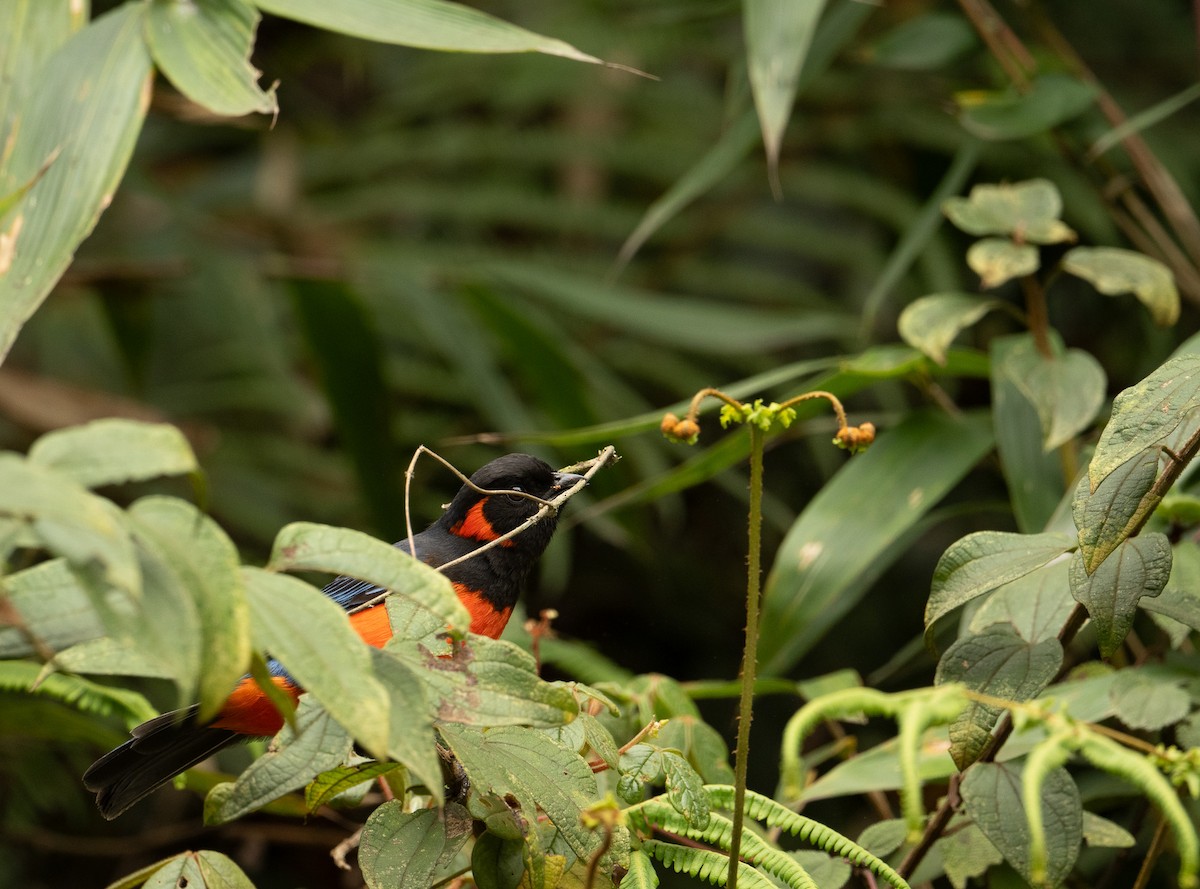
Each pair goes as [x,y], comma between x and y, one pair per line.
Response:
[999,663]
[317,745]
[1106,516]
[985,560]
[999,260]
[401,848]
[932,322]
[1028,212]
[1114,271]
[83,113]
[1146,699]
[204,50]
[428,24]
[991,793]
[113,451]
[1067,388]
[1139,567]
[1053,99]
[876,500]
[312,637]
[1146,414]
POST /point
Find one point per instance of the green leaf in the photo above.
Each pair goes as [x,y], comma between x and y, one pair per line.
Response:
[1139,567]
[1147,700]
[114,451]
[1027,211]
[198,870]
[778,35]
[1052,100]
[218,872]
[410,731]
[998,260]
[206,563]
[1146,414]
[685,789]
[932,322]
[599,739]
[497,863]
[1067,389]
[488,682]
[879,768]
[985,560]
[303,546]
[1180,599]
[401,848]
[641,873]
[204,48]
[334,782]
[538,773]
[51,606]
[702,744]
[923,43]
[1114,271]
[84,111]
[1100,833]
[30,32]
[1036,605]
[428,24]
[312,637]
[999,663]
[877,499]
[991,794]
[824,870]
[1106,517]
[318,745]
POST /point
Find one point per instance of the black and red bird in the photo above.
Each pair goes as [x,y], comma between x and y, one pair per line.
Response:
[487,584]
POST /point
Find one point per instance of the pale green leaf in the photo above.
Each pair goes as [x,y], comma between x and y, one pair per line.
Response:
[52,607]
[932,322]
[109,656]
[685,789]
[1114,271]
[1139,567]
[203,47]
[183,870]
[876,500]
[428,24]
[967,854]
[1052,100]
[1147,413]
[1066,388]
[84,111]
[1107,516]
[30,32]
[303,546]
[323,789]
[991,794]
[985,560]
[1178,605]
[317,745]
[1026,211]
[112,451]
[312,637]
[879,768]
[206,562]
[410,733]
[400,849]
[1100,833]
[998,260]
[1145,699]
[641,873]
[1036,605]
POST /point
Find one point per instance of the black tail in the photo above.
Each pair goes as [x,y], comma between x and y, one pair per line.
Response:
[159,750]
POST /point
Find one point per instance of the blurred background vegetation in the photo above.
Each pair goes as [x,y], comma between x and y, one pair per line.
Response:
[431,249]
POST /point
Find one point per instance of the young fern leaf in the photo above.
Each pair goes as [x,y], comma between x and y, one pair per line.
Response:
[773,814]
[704,864]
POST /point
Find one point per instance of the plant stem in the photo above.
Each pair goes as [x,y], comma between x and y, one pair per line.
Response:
[750,654]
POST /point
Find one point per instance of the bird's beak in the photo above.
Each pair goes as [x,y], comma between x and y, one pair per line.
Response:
[564,480]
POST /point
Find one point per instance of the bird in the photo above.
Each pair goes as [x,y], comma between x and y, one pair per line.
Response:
[488,584]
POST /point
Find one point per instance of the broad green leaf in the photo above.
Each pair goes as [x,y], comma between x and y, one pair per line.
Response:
[923,43]
[312,637]
[1037,605]
[985,560]
[109,656]
[932,322]
[1146,699]
[1146,414]
[206,562]
[1026,211]
[401,848]
[685,789]
[1034,477]
[328,785]
[428,24]
[1114,271]
[641,873]
[113,451]
[1100,833]
[70,520]
[967,854]
[497,863]
[199,870]
[1179,601]
[317,745]
[999,663]
[778,34]
[84,113]
[53,610]
[535,771]
[1139,567]
[410,734]
[991,794]
[203,47]
[875,500]
[303,546]
[998,260]
[487,682]
[1108,515]
[1052,100]
[1067,389]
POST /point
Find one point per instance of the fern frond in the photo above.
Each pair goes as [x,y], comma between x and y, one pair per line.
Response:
[773,814]
[704,864]
[80,693]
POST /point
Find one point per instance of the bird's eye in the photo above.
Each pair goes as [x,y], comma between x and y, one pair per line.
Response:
[516,498]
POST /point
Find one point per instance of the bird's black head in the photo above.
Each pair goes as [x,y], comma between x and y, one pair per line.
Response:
[484,517]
